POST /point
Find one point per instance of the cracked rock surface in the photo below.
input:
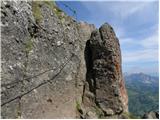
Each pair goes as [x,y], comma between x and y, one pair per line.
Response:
[104,82]
[56,67]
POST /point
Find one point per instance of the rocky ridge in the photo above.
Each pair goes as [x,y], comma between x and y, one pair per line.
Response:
[151,115]
[56,67]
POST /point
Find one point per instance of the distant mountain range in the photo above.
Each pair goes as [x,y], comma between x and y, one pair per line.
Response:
[143,93]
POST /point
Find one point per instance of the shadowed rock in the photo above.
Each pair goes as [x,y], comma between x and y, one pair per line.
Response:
[104,75]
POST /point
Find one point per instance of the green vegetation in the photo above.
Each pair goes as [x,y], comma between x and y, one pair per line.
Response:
[18,110]
[142,97]
[98,112]
[36,5]
[127,115]
[78,107]
[56,10]
[29,46]
[59,14]
[142,102]
[37,11]
[50,3]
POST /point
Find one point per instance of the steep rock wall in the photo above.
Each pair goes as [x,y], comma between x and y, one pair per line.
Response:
[104,82]
[44,67]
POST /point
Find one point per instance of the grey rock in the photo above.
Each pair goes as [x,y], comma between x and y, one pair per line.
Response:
[39,61]
[104,74]
[151,115]
[49,61]
[91,115]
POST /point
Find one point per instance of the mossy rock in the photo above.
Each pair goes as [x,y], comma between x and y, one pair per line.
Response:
[36,10]
[29,45]
[98,112]
[78,107]
[127,115]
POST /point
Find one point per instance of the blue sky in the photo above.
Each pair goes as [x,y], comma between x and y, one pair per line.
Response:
[135,24]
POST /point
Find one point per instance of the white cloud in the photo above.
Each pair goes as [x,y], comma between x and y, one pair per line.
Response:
[128,8]
[150,42]
[147,53]
[120,32]
[124,9]
[128,42]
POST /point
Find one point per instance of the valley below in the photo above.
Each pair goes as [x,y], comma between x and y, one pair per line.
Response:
[143,93]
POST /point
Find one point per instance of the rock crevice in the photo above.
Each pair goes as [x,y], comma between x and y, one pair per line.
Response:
[55,67]
[104,86]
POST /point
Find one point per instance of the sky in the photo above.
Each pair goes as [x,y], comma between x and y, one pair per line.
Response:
[135,24]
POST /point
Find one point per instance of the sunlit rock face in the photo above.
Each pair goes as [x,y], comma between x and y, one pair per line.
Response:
[56,67]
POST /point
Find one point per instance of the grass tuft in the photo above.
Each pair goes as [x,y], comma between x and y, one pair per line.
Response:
[36,10]
[29,46]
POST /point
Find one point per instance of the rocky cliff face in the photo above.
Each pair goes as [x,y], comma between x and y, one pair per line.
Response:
[104,81]
[55,67]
